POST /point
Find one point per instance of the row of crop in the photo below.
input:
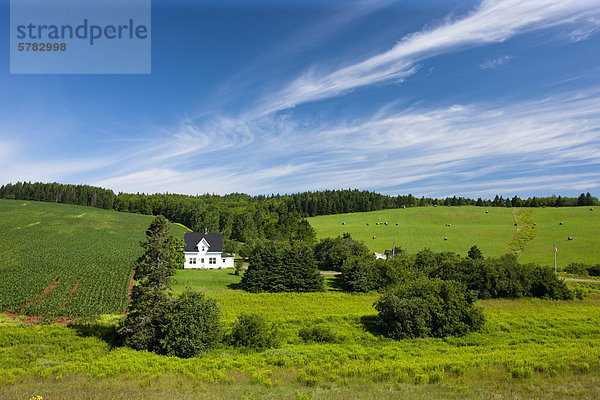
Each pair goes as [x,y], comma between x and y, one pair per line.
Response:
[66,266]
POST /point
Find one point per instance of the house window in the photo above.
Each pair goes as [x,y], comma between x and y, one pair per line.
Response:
[212,260]
[192,260]
[202,248]
[202,261]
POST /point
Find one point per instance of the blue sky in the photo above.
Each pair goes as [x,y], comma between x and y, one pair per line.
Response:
[429,98]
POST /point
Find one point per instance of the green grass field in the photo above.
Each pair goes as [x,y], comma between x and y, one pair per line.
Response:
[60,260]
[529,348]
[493,232]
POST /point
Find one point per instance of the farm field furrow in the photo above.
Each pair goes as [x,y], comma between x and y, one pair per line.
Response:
[64,261]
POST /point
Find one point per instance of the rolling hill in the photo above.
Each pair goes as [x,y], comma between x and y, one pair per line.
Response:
[413,229]
[62,261]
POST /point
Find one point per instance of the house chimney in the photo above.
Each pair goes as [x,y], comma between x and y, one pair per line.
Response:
[205,230]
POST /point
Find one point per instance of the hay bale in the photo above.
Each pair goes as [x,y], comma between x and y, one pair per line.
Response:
[374,237]
[396,224]
[560,223]
[445,237]
[343,223]
[515,224]
[367,224]
[487,212]
[592,209]
[570,237]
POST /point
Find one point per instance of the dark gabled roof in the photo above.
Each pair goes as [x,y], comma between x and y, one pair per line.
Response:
[214,239]
[225,255]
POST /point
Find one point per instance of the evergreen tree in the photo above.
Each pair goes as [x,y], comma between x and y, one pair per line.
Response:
[151,294]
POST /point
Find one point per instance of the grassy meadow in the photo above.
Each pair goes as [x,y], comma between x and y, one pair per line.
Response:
[61,260]
[529,348]
[492,232]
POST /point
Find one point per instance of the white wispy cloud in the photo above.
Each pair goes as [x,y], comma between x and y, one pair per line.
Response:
[451,149]
[475,148]
[493,21]
[495,63]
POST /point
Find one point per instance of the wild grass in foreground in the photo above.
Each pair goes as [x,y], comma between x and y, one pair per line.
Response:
[526,347]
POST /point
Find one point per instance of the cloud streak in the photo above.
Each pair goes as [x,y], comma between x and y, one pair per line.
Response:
[491,22]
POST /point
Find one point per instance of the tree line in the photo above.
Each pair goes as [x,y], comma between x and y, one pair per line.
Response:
[241,217]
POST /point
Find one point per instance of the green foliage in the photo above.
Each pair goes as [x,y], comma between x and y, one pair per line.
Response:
[545,284]
[331,253]
[526,230]
[474,253]
[364,274]
[188,326]
[494,277]
[583,269]
[319,334]
[282,267]
[360,274]
[252,331]
[151,295]
[428,307]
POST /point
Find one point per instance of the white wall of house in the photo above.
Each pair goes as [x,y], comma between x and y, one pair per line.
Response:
[206,260]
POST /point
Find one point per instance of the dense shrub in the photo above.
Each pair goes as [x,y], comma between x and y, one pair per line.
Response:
[428,307]
[188,326]
[253,332]
[282,267]
[319,334]
[359,274]
[545,284]
[330,253]
[583,269]
[364,274]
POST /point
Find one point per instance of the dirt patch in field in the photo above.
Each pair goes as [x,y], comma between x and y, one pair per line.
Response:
[51,286]
[131,282]
[71,294]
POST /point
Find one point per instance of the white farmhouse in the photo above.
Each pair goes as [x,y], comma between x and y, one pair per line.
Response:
[205,251]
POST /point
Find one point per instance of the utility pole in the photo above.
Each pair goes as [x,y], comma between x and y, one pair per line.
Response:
[555,250]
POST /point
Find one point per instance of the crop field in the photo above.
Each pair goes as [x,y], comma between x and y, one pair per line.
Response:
[64,261]
[529,348]
[494,232]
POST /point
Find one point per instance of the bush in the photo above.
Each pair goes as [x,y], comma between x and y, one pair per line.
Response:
[330,253]
[253,332]
[359,274]
[428,307]
[577,269]
[282,267]
[188,326]
[364,274]
[546,284]
[583,269]
[319,334]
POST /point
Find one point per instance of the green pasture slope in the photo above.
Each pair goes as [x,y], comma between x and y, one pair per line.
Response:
[421,227]
[60,260]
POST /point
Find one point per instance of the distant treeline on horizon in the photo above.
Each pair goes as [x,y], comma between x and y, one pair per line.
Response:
[242,217]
